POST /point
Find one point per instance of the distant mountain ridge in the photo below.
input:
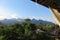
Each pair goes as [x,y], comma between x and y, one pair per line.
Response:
[41,21]
[34,21]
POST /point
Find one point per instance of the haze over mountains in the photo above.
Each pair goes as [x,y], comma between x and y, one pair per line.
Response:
[13,20]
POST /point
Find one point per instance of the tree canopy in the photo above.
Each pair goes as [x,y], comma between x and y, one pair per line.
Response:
[27,31]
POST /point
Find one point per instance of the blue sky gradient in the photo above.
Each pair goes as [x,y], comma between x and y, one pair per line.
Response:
[24,9]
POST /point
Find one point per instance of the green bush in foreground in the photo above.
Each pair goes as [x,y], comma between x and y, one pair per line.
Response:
[26,31]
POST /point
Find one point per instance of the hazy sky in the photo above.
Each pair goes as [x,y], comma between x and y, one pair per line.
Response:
[24,9]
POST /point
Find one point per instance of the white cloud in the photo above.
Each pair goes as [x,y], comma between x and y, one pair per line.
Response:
[15,15]
[4,13]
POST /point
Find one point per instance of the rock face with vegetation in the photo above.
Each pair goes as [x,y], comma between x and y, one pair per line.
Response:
[27,31]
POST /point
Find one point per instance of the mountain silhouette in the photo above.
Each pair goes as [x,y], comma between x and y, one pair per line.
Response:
[34,21]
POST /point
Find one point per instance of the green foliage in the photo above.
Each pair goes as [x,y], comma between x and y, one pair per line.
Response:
[27,20]
[57,2]
[26,31]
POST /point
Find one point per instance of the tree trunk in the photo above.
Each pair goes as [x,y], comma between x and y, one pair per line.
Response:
[56,15]
[57,39]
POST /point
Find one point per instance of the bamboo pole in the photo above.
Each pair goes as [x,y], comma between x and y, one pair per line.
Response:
[56,15]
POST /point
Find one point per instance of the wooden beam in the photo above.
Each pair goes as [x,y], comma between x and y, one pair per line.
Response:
[47,3]
[56,15]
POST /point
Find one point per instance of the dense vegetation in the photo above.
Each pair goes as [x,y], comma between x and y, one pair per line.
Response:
[27,31]
[57,2]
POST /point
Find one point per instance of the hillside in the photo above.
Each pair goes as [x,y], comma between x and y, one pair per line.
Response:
[34,21]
